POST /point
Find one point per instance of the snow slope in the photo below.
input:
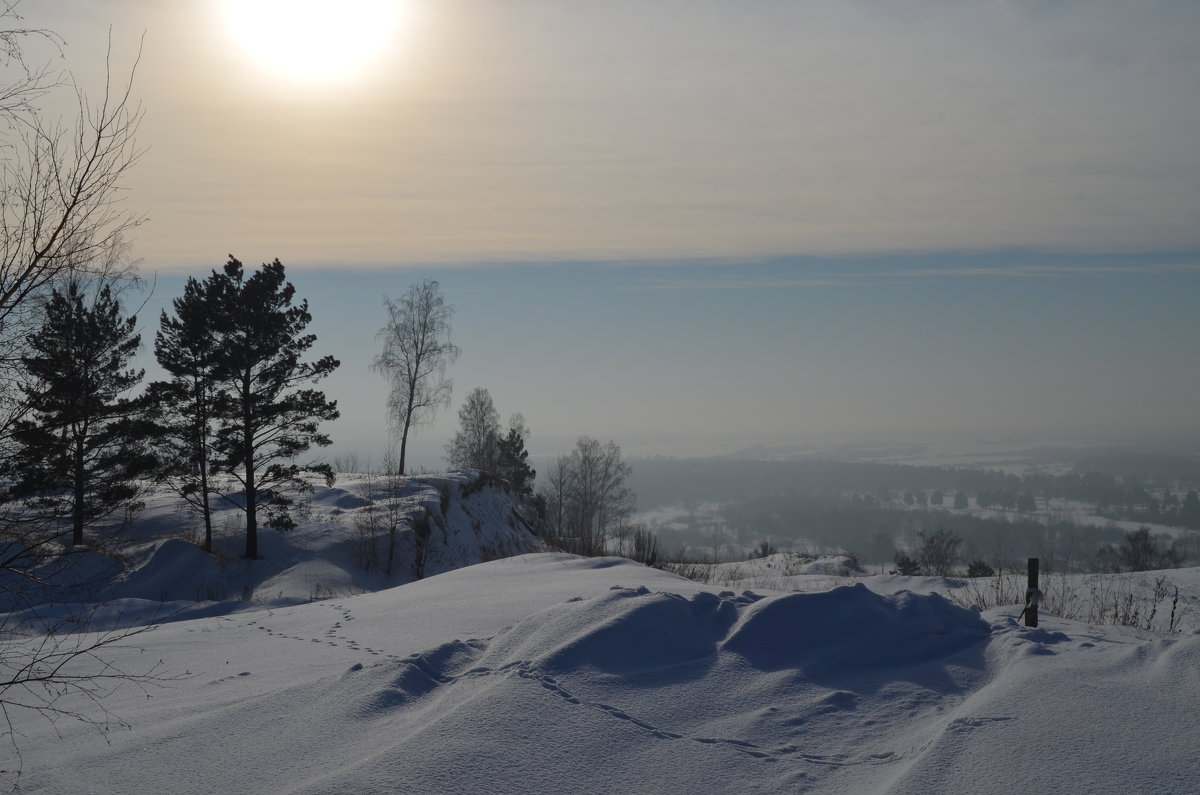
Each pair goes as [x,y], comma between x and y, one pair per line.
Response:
[552,673]
[340,547]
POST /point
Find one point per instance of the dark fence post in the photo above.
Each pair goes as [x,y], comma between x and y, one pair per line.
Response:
[1033,595]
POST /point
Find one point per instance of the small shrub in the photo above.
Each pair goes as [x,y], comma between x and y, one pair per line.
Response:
[320,591]
[763,550]
[698,568]
[645,548]
[347,463]
[422,531]
[938,552]
[906,565]
[1116,599]
[978,568]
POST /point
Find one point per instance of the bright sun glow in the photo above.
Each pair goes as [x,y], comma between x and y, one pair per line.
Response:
[313,40]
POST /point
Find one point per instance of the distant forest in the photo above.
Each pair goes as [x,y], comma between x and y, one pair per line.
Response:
[872,509]
[1140,487]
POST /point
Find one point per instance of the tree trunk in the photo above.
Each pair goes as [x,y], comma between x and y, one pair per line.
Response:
[205,509]
[251,489]
[404,439]
[201,399]
[251,515]
[77,501]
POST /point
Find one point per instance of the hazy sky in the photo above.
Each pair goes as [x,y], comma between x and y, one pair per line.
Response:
[707,221]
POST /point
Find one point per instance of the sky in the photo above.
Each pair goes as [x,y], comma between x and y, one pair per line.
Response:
[694,226]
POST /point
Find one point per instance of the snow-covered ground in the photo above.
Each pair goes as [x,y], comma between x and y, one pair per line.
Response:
[549,673]
[342,545]
[553,673]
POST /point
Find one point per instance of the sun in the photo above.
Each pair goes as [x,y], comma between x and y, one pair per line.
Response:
[311,40]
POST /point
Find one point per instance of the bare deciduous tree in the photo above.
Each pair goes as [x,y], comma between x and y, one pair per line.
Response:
[381,518]
[28,82]
[557,487]
[60,672]
[60,210]
[60,218]
[586,496]
[416,351]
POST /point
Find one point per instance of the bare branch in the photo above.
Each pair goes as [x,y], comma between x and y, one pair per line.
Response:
[62,218]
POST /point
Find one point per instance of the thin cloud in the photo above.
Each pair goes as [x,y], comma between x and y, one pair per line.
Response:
[1050,271]
[876,278]
[738,284]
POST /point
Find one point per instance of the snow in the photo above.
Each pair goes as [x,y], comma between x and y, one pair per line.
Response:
[547,672]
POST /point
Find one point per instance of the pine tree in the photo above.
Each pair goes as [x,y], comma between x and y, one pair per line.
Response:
[266,419]
[513,458]
[186,348]
[81,449]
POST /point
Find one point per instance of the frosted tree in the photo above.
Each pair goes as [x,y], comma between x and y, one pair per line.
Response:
[586,495]
[416,352]
[476,445]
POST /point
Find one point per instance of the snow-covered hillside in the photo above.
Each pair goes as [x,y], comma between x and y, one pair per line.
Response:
[553,673]
[343,544]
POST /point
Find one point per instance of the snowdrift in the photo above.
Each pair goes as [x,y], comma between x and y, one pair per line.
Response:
[551,673]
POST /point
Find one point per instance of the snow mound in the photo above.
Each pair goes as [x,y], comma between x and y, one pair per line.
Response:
[552,673]
[340,498]
[832,565]
[175,569]
[627,631]
[640,674]
[408,680]
[852,627]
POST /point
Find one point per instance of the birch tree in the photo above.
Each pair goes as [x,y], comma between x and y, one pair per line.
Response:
[416,352]
[476,445]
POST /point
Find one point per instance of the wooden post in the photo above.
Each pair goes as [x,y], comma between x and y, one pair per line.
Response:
[1033,595]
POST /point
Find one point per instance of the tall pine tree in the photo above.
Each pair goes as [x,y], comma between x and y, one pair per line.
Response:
[80,450]
[267,420]
[186,347]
